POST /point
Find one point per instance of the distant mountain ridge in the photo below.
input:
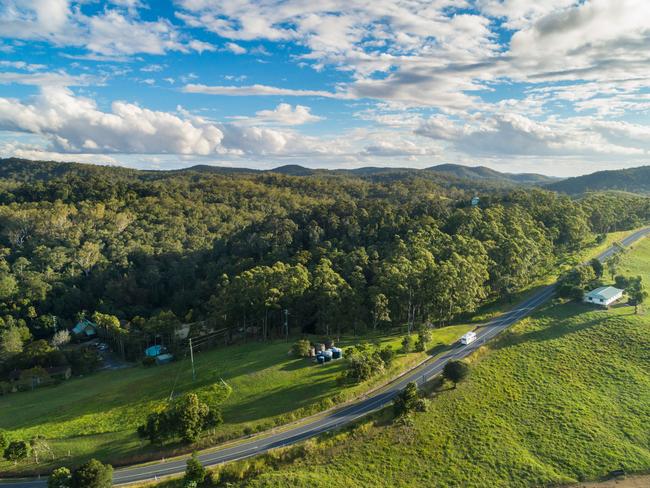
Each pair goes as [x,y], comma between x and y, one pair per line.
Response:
[22,170]
[633,180]
[485,173]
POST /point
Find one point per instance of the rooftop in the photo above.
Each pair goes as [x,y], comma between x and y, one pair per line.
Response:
[604,292]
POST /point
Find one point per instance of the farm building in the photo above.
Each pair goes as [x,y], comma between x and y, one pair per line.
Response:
[604,296]
[85,328]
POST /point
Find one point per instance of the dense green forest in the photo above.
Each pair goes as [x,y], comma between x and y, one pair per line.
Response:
[339,253]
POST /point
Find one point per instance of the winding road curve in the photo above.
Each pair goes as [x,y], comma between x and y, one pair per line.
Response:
[344,415]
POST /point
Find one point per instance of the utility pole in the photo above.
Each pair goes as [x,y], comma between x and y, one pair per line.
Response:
[286,325]
[192,359]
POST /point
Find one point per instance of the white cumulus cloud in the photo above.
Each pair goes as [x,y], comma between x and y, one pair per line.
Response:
[285,114]
[75,124]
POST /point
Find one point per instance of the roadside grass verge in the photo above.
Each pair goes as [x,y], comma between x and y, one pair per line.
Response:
[97,416]
[562,397]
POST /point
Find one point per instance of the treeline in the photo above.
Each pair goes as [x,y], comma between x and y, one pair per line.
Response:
[252,252]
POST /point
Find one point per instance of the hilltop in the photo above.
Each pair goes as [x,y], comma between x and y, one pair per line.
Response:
[634,180]
[484,173]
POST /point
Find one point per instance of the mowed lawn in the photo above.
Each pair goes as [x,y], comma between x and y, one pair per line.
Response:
[563,397]
[98,415]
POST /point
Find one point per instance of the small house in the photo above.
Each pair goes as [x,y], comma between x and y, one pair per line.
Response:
[475,201]
[85,328]
[603,296]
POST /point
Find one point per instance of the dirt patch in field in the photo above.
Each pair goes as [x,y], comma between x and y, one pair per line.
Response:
[629,482]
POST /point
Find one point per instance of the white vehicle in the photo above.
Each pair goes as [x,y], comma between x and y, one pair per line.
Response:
[468,338]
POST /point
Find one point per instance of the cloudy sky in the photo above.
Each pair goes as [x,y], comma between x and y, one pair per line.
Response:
[556,86]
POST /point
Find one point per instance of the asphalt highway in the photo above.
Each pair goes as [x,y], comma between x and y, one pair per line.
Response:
[341,416]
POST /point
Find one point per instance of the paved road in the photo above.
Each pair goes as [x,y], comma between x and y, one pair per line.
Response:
[344,415]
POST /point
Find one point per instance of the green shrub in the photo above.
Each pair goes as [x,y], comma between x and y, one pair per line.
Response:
[408,344]
[301,348]
[195,473]
[424,338]
[455,371]
[60,478]
[409,401]
[387,354]
[16,451]
[93,474]
[148,361]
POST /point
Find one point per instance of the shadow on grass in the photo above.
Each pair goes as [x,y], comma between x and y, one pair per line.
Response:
[297,364]
[556,321]
[438,349]
[281,401]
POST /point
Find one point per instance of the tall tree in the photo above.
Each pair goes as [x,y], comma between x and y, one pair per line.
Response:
[330,290]
[636,292]
[380,310]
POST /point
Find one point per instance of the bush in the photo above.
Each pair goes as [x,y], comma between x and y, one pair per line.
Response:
[93,474]
[186,418]
[409,401]
[195,473]
[363,363]
[4,440]
[60,478]
[424,338]
[621,282]
[301,348]
[455,371]
[387,354]
[84,360]
[572,292]
[573,283]
[148,361]
[16,451]
[408,344]
[598,267]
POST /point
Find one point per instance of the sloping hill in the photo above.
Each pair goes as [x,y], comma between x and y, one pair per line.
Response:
[25,170]
[563,397]
[221,170]
[292,170]
[484,173]
[635,180]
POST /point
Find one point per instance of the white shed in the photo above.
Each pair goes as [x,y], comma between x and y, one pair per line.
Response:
[603,296]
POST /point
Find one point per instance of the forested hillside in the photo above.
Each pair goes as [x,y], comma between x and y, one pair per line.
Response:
[634,180]
[337,252]
[483,173]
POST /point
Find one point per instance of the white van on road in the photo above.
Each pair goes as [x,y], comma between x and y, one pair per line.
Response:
[468,338]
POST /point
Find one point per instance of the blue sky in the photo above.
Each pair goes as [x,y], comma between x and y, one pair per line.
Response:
[557,87]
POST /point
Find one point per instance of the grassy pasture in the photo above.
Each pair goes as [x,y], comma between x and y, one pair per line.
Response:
[562,397]
[97,415]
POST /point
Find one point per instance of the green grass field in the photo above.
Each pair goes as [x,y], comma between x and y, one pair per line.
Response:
[97,415]
[562,397]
